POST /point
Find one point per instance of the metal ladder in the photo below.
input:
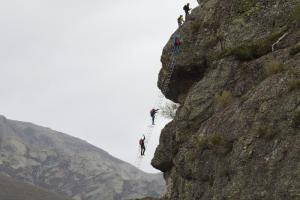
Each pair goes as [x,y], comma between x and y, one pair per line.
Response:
[159,102]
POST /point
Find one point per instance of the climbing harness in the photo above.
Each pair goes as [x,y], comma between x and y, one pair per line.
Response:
[165,84]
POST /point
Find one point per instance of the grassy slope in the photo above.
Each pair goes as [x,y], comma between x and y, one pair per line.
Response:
[11,189]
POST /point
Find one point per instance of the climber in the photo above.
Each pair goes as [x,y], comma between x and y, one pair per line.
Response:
[176,44]
[153,113]
[187,9]
[180,20]
[142,144]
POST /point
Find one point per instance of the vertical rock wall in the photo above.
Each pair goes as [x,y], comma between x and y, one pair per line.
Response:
[236,134]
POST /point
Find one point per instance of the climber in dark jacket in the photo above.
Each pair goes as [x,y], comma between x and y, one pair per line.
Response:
[186,9]
[142,145]
[152,114]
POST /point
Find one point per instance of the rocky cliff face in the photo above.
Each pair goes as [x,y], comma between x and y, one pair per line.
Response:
[236,134]
[70,166]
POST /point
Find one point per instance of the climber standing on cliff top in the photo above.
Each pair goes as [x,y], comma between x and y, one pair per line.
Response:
[142,145]
[187,9]
[153,112]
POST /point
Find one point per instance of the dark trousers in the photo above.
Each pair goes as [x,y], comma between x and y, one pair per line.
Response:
[176,49]
[153,119]
[186,14]
[143,149]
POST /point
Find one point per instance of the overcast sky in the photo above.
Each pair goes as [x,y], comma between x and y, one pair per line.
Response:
[87,68]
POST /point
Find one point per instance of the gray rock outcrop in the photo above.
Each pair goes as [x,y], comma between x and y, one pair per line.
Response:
[236,134]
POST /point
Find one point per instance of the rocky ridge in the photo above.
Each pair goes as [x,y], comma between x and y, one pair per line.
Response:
[67,165]
[236,134]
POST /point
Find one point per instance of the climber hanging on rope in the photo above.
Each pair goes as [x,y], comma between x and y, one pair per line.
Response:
[176,43]
[187,9]
[153,112]
[142,145]
[180,21]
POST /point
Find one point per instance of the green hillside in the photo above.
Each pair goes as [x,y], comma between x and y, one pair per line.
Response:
[11,189]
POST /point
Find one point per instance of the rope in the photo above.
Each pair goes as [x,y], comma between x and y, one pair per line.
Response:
[150,128]
[281,38]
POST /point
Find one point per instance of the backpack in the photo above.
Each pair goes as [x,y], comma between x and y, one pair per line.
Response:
[152,112]
[177,41]
[179,19]
[185,7]
[141,142]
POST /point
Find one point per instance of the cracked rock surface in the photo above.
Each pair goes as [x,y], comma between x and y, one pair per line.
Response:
[236,134]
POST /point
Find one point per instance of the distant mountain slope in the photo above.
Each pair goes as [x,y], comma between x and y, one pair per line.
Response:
[11,189]
[61,163]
